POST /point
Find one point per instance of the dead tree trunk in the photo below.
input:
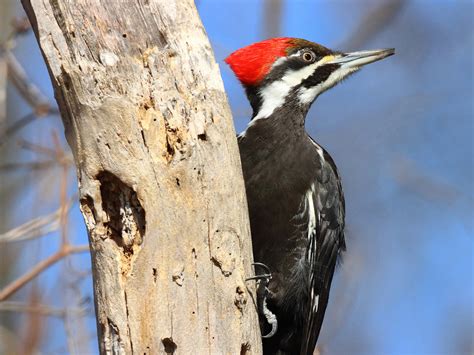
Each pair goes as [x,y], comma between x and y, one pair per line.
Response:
[160,182]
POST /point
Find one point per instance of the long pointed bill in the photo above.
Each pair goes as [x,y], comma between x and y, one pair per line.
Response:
[358,59]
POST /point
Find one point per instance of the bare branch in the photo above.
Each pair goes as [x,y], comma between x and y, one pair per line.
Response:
[21,123]
[20,26]
[30,92]
[373,23]
[409,175]
[3,94]
[272,11]
[32,165]
[66,250]
[23,143]
[42,309]
[35,228]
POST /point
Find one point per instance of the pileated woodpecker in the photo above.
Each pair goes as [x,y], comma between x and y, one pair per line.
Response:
[295,198]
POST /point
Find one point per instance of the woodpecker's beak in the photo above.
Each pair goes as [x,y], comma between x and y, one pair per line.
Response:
[358,59]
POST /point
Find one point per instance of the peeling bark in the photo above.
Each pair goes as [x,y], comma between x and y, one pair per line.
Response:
[160,182]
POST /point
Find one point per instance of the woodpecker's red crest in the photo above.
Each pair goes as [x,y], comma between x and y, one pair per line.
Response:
[252,63]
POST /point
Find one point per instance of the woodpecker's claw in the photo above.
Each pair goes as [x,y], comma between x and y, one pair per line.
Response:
[259,277]
[267,275]
[262,265]
[269,316]
[262,294]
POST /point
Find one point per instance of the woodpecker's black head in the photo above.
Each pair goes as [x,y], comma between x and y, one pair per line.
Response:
[282,71]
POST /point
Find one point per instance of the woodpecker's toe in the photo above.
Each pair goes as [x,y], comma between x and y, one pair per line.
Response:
[262,294]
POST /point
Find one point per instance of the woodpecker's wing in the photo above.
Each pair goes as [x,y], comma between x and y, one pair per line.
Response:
[325,201]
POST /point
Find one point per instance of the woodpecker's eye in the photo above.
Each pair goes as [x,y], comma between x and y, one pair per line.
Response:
[309,57]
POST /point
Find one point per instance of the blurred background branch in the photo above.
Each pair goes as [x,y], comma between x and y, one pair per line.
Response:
[373,23]
[15,285]
[272,18]
[36,227]
[22,314]
[42,309]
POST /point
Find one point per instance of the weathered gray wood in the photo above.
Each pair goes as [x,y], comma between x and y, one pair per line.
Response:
[160,183]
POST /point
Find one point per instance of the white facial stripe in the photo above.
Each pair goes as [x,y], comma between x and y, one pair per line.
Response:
[297,54]
[279,61]
[273,95]
[307,95]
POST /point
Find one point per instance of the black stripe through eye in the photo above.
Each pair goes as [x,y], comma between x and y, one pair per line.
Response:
[280,71]
[320,75]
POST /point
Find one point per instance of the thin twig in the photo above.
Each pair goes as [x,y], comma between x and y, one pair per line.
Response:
[272,15]
[42,309]
[20,26]
[14,286]
[63,215]
[36,227]
[37,148]
[22,122]
[30,92]
[70,340]
[32,165]
[3,94]
[373,23]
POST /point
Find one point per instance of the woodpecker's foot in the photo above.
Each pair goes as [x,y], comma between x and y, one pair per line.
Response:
[262,294]
[266,277]
[271,319]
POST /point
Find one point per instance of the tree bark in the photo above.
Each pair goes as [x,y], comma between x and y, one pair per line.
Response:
[160,182]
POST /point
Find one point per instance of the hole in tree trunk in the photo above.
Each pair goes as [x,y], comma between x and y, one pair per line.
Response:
[125,214]
[169,344]
[245,348]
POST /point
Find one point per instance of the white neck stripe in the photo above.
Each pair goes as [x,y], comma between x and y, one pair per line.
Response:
[307,95]
[274,94]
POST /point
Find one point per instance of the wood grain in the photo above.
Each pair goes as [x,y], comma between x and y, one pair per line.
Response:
[160,182]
